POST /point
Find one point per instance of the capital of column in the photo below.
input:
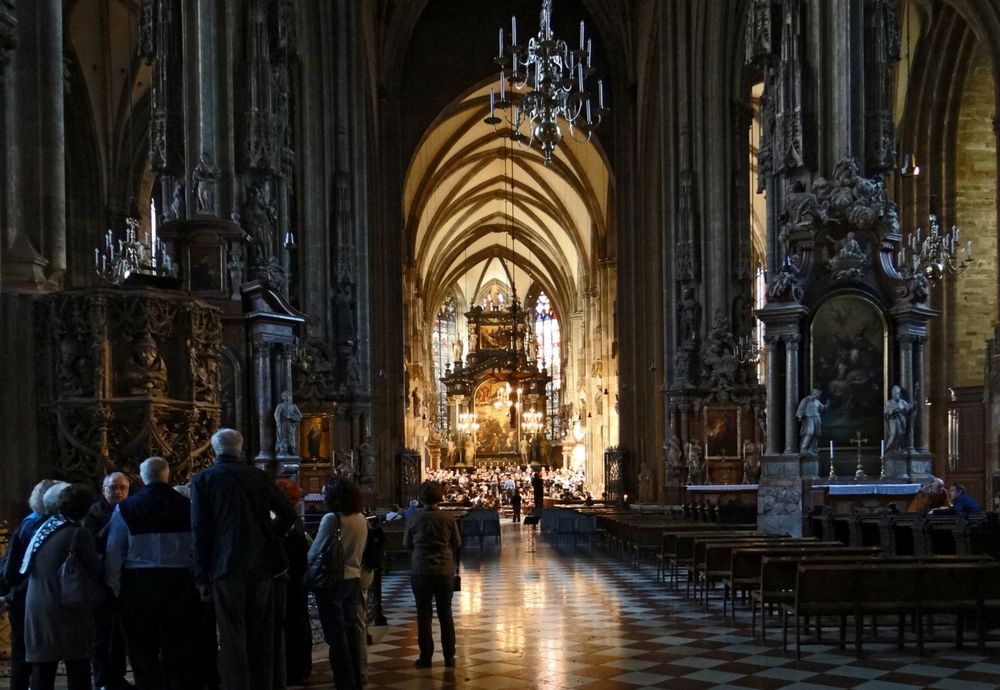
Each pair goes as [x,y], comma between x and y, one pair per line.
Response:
[262,348]
[908,338]
[792,339]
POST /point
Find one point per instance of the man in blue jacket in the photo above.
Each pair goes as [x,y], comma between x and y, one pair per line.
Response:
[147,566]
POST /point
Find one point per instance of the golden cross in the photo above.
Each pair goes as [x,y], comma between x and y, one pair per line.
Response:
[857,440]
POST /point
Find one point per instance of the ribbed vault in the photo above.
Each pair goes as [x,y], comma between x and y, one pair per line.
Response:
[478,207]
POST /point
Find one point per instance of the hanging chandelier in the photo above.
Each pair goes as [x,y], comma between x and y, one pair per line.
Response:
[556,77]
[935,254]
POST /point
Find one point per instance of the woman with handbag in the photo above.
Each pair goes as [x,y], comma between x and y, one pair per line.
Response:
[63,572]
[432,538]
[333,575]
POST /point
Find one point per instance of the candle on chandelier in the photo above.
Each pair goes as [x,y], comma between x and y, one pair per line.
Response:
[501,43]
[502,88]
[581,34]
[97,257]
[588,53]
[492,108]
[600,94]
[513,31]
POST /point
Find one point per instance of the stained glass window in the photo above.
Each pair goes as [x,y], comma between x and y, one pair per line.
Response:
[444,335]
[548,352]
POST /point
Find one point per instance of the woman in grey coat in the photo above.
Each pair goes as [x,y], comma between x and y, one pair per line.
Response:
[432,538]
[52,632]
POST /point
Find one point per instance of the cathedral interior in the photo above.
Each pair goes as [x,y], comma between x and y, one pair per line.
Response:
[733,242]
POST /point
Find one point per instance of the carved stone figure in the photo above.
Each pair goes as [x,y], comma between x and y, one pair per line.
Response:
[353,373]
[785,285]
[849,260]
[204,177]
[456,351]
[71,365]
[688,316]
[646,490]
[810,424]
[176,208]
[695,462]
[259,221]
[366,454]
[751,462]
[236,267]
[148,372]
[343,313]
[719,364]
[682,365]
[286,423]
[897,412]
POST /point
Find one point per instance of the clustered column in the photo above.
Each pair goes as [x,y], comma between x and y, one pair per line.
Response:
[792,341]
[773,344]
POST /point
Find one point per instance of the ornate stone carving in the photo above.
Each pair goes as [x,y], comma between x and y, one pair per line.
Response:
[286,423]
[786,285]
[720,368]
[845,199]
[881,44]
[760,20]
[848,260]
[688,318]
[315,371]
[695,463]
[204,180]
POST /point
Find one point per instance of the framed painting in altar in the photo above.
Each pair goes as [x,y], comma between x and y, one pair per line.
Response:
[722,431]
[848,360]
[206,272]
[314,438]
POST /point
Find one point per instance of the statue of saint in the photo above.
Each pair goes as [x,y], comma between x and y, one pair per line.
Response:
[259,221]
[204,176]
[896,413]
[849,259]
[286,422]
[695,462]
[675,455]
[148,373]
[456,351]
[810,425]
[452,450]
[751,462]
[688,313]
[367,456]
[646,492]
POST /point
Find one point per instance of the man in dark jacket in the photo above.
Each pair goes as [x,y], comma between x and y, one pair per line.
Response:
[148,567]
[108,655]
[236,556]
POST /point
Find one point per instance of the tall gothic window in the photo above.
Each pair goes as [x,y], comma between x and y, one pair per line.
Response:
[548,348]
[758,227]
[445,333]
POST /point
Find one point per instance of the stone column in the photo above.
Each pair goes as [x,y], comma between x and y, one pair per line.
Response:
[791,392]
[919,395]
[773,428]
[265,404]
[905,348]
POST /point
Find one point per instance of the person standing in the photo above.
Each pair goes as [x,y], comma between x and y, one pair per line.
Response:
[14,586]
[53,632]
[297,638]
[236,554]
[108,655]
[538,492]
[147,566]
[432,538]
[515,504]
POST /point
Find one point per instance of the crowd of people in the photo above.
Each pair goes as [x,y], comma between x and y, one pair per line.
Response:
[202,586]
[500,487]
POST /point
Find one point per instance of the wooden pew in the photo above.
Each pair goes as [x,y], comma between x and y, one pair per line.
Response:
[669,537]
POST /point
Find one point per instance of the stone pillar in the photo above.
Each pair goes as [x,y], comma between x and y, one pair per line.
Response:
[919,395]
[905,348]
[773,402]
[265,404]
[791,392]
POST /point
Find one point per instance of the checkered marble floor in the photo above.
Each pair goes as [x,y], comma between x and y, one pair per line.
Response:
[564,618]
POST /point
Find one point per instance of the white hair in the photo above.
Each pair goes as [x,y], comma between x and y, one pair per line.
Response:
[112,478]
[36,501]
[154,470]
[50,501]
[227,442]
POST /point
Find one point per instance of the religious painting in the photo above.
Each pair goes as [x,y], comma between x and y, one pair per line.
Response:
[848,364]
[314,438]
[493,409]
[722,431]
[493,337]
[205,269]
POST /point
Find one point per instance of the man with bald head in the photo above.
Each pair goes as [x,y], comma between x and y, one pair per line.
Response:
[108,654]
[148,568]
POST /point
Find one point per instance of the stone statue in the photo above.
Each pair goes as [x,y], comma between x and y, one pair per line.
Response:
[286,422]
[751,462]
[176,208]
[897,411]
[810,425]
[849,260]
[675,456]
[786,282]
[236,273]
[682,365]
[259,221]
[415,404]
[695,463]
[204,176]
[452,450]
[646,490]
[366,454]
[148,374]
[523,449]
[71,365]
[456,351]
[688,316]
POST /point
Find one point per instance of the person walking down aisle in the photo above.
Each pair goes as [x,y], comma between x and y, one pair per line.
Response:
[54,632]
[432,539]
[236,555]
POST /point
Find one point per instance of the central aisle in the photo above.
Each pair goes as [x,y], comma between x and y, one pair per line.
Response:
[563,618]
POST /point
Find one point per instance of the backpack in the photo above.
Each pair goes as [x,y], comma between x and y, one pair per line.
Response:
[325,569]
